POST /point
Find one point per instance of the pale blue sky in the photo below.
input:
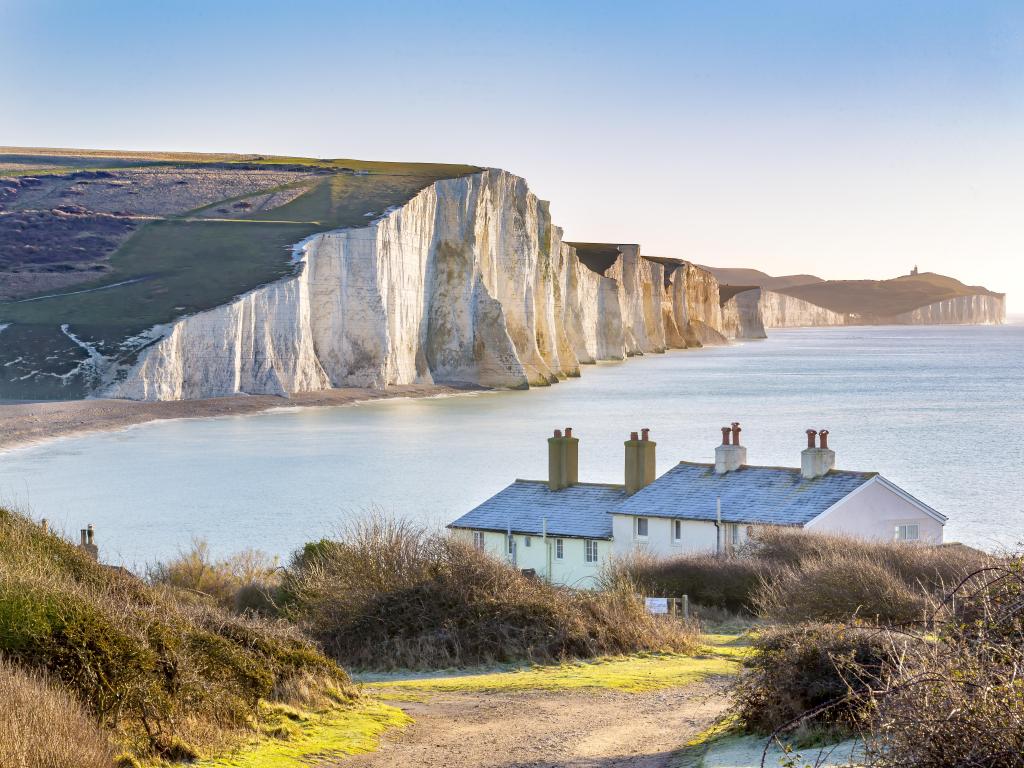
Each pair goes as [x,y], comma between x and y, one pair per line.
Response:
[849,138]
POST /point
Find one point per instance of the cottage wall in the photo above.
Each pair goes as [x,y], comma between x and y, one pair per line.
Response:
[873,512]
[698,536]
[572,570]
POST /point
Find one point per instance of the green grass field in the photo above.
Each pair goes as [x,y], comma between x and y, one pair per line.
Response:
[182,265]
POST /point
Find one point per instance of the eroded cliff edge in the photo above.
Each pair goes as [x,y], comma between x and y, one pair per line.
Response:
[468,282]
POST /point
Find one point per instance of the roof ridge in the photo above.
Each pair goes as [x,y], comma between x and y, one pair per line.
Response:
[610,486]
[866,473]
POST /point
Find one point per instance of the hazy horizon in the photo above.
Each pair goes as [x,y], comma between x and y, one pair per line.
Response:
[850,140]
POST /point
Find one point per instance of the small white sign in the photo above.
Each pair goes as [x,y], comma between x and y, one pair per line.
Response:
[657,605]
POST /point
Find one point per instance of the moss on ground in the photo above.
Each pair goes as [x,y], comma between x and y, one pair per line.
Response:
[638,673]
[292,737]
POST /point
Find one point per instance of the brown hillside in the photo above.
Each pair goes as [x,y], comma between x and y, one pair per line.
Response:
[883,298]
[755,277]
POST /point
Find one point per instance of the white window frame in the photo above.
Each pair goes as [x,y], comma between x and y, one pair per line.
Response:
[647,527]
[734,537]
[902,529]
[559,549]
[526,541]
[677,531]
[479,540]
[510,545]
[590,553]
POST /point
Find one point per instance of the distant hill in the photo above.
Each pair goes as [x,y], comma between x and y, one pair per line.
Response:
[884,298]
[741,276]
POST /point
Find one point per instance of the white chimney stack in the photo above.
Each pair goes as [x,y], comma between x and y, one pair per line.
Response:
[730,455]
[816,460]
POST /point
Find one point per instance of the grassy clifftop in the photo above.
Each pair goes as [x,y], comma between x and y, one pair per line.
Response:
[110,244]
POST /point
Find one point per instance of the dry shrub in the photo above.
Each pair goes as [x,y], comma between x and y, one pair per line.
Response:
[169,672]
[243,582]
[719,582]
[389,594]
[958,700]
[794,575]
[42,726]
[839,587]
[801,674]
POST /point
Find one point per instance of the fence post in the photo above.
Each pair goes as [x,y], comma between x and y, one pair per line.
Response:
[686,606]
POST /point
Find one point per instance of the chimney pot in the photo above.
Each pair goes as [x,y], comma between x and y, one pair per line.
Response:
[726,432]
[568,431]
[645,434]
[634,436]
[823,434]
[90,532]
[810,438]
[558,433]
[84,534]
[736,433]
[46,525]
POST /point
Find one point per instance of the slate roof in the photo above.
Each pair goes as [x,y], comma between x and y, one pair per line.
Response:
[776,495]
[580,511]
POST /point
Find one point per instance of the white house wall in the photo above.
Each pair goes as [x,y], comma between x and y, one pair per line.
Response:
[698,536]
[873,512]
[572,570]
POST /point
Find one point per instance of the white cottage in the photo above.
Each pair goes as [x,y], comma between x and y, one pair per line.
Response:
[563,530]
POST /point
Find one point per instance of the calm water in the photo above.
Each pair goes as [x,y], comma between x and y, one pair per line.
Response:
[937,410]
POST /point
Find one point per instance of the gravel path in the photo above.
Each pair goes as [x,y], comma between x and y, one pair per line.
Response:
[583,728]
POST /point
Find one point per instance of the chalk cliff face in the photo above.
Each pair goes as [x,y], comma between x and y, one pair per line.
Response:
[975,310]
[468,282]
[778,310]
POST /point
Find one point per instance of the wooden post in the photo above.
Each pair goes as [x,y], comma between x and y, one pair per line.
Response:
[686,606]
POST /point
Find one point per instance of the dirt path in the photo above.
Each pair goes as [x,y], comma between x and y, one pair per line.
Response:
[582,728]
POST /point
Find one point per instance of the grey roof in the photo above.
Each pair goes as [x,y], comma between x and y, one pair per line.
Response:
[579,511]
[776,495]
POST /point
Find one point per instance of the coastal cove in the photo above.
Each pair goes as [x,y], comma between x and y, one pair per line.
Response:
[921,405]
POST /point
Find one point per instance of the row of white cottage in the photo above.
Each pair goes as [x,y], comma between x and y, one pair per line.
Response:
[564,530]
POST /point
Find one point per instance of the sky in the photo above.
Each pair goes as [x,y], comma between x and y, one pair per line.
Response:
[848,138]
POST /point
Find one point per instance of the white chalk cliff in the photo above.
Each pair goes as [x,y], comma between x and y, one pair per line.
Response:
[468,282]
[979,309]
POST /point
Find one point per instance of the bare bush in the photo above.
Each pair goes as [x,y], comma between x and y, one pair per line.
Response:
[799,675]
[389,594]
[957,700]
[243,581]
[42,726]
[840,587]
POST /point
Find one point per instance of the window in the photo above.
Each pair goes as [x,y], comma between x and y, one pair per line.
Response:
[908,532]
[511,544]
[677,530]
[559,549]
[735,535]
[641,527]
[590,550]
[526,540]
[478,540]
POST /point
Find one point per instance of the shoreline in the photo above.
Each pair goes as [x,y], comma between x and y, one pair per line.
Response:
[26,424]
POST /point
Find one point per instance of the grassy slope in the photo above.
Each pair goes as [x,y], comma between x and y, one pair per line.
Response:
[883,298]
[180,265]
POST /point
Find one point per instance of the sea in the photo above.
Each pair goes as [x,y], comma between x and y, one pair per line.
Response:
[935,409]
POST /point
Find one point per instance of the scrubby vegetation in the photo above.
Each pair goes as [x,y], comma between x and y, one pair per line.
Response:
[165,672]
[391,595]
[243,582]
[921,658]
[792,576]
[42,726]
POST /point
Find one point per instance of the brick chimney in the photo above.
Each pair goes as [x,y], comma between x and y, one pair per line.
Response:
[730,455]
[88,544]
[816,459]
[640,461]
[563,460]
